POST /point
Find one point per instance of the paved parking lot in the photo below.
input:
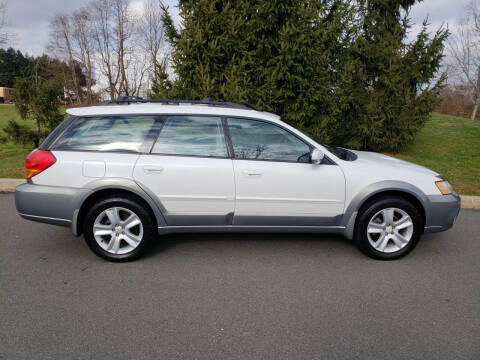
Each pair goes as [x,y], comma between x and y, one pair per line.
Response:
[241,296]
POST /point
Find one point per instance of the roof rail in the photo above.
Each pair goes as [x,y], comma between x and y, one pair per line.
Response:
[127,100]
[123,100]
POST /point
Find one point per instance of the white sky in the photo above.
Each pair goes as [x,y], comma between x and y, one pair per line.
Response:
[29,19]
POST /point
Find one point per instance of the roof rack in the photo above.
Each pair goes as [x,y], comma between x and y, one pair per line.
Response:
[127,100]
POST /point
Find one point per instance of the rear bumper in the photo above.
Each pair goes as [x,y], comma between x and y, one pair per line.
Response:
[441,212]
[47,204]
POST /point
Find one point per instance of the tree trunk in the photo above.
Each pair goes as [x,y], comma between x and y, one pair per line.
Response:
[37,138]
[475,109]
[71,63]
[89,80]
[477,96]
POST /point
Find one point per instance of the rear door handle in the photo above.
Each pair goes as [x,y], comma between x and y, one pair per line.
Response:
[252,173]
[149,169]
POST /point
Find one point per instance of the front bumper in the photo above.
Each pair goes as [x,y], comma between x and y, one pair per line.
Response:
[441,212]
[47,204]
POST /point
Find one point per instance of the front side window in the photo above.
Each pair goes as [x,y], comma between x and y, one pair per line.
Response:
[259,140]
[192,136]
[107,134]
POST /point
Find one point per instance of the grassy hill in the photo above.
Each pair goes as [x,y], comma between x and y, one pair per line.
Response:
[451,146]
[447,144]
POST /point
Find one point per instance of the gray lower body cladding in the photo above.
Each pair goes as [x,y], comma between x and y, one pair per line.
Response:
[441,212]
[59,206]
[48,204]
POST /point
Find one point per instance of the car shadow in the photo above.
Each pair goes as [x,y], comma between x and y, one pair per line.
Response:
[165,243]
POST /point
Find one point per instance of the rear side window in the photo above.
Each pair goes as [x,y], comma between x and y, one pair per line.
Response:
[192,136]
[108,134]
[259,140]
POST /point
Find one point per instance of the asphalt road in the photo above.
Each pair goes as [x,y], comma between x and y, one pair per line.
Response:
[237,297]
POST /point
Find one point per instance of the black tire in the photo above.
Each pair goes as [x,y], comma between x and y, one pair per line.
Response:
[127,202]
[369,210]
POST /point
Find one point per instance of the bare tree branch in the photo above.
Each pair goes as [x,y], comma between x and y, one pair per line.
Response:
[103,35]
[121,59]
[464,49]
[108,38]
[151,32]
[82,36]
[61,43]
[5,36]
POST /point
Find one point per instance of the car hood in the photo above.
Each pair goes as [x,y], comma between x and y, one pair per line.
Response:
[381,160]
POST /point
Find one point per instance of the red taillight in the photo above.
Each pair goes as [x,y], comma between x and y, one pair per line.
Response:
[37,161]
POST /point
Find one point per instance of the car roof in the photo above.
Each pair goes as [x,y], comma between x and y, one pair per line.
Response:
[170,109]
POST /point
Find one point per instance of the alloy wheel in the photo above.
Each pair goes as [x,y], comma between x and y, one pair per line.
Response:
[390,230]
[118,230]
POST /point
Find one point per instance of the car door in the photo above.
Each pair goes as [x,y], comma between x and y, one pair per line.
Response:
[190,172]
[276,183]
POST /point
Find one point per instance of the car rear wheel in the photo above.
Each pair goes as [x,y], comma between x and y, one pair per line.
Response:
[388,228]
[118,228]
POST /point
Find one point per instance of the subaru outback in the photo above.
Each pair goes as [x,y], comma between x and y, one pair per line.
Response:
[129,170]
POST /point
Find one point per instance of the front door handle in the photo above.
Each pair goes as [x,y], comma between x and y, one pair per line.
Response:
[150,169]
[252,173]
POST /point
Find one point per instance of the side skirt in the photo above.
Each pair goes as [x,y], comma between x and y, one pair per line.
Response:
[251,229]
[47,220]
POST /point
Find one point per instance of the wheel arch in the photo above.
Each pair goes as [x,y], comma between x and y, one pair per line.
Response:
[112,187]
[406,191]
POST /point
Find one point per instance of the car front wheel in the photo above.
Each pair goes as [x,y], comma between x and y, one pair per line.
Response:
[388,228]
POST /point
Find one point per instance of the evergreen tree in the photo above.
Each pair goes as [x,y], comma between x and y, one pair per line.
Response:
[38,101]
[12,64]
[393,93]
[340,70]
[161,85]
[279,55]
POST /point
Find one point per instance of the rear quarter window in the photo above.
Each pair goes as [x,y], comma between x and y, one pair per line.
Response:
[111,133]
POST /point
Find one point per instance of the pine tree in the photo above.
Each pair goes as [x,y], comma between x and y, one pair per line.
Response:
[13,64]
[393,90]
[37,100]
[279,55]
[161,85]
[340,70]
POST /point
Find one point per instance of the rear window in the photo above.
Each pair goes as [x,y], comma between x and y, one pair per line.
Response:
[126,133]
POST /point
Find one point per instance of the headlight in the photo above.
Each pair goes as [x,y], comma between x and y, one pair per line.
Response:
[444,186]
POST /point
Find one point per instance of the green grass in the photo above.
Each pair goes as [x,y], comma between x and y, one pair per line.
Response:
[12,156]
[447,144]
[451,146]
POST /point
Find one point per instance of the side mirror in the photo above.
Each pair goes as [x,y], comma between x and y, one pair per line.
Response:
[316,156]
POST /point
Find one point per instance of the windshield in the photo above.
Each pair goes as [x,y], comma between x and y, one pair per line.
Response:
[337,151]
